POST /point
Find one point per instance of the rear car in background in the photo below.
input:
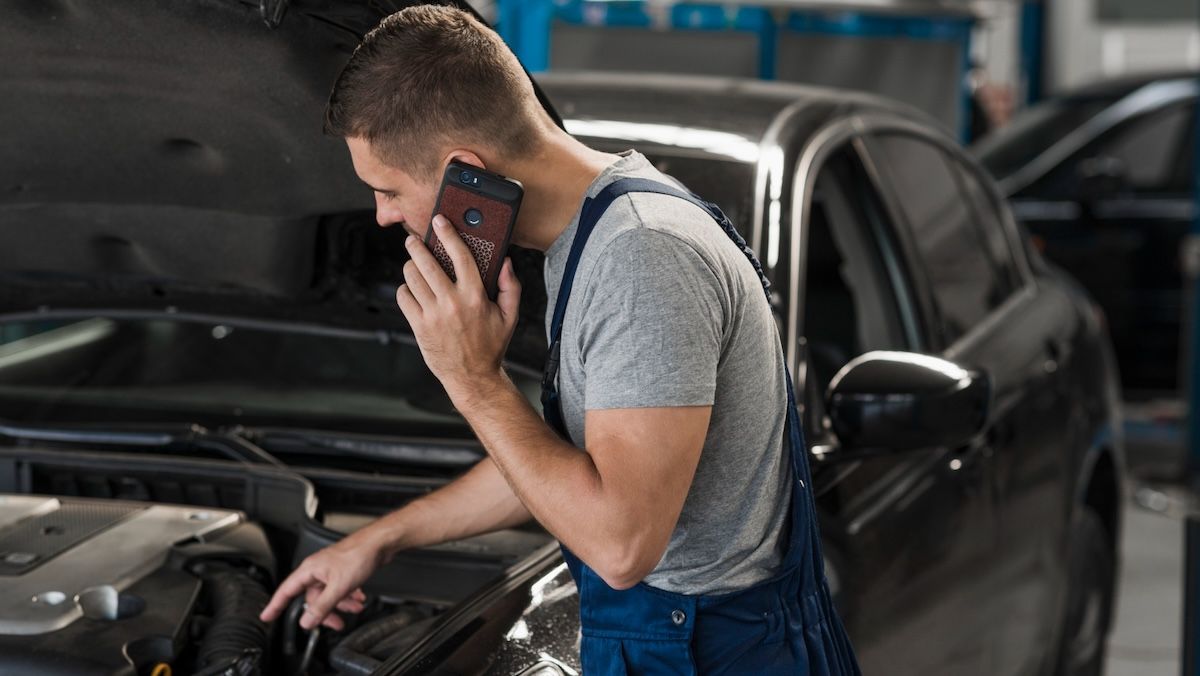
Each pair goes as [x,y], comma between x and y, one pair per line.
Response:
[204,377]
[1102,178]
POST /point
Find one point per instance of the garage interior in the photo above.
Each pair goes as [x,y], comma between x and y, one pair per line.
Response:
[1080,115]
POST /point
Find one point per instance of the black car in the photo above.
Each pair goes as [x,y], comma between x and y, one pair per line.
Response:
[205,378]
[1102,177]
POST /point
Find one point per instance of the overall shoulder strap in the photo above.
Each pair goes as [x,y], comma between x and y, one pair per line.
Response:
[593,209]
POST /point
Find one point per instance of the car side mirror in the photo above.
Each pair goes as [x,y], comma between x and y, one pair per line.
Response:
[898,401]
[1101,178]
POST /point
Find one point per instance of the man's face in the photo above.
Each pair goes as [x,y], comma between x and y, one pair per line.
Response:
[399,198]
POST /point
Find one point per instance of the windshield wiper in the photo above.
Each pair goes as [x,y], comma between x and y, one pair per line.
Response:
[381,336]
[72,435]
[229,443]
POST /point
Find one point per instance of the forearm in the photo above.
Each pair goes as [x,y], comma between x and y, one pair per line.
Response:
[608,505]
[480,501]
[559,484]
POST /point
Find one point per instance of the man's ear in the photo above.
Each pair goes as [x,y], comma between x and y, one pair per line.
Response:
[465,157]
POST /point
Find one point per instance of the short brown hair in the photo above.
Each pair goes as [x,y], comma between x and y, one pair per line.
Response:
[427,76]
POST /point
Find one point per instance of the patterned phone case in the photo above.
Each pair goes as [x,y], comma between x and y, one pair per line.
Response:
[488,241]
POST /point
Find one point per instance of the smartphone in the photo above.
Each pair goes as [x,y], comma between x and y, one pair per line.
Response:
[483,208]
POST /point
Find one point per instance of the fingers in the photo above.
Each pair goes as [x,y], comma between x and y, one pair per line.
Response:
[321,601]
[417,285]
[465,268]
[428,266]
[351,604]
[312,614]
[408,304]
[334,622]
[509,298]
[295,583]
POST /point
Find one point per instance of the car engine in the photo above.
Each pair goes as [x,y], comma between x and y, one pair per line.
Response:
[153,565]
[114,587]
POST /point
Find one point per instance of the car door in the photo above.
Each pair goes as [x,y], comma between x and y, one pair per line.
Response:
[988,313]
[904,532]
[1114,214]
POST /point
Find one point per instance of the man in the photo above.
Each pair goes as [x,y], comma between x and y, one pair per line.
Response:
[673,499]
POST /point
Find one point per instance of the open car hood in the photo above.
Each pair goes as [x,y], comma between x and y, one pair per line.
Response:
[169,156]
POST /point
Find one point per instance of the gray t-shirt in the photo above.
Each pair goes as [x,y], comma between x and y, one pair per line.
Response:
[666,311]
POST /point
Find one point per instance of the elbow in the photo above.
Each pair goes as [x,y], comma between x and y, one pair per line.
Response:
[626,566]
[621,580]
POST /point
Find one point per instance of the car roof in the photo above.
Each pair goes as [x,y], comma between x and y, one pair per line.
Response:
[742,107]
[1120,87]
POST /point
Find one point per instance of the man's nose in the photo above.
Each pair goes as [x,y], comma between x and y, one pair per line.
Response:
[385,214]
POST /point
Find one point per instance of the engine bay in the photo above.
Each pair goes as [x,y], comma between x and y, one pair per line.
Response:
[132,563]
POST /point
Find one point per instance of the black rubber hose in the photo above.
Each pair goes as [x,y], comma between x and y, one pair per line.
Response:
[291,625]
[236,599]
[351,654]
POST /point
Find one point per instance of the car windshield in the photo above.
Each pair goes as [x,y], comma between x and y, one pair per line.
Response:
[119,368]
[164,369]
[1006,151]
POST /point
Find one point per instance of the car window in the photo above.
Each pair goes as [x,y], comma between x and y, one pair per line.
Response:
[1184,173]
[857,295]
[991,223]
[955,253]
[854,291]
[1031,133]
[1149,148]
[1152,155]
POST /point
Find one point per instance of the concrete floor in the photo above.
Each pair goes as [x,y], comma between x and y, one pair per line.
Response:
[1147,633]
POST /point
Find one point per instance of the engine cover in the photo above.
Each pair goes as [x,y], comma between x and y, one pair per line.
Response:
[102,586]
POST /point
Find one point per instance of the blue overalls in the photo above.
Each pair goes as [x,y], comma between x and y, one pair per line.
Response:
[784,625]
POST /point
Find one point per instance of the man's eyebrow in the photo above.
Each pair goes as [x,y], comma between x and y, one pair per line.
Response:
[374,188]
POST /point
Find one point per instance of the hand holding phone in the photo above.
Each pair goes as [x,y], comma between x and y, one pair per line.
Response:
[482,207]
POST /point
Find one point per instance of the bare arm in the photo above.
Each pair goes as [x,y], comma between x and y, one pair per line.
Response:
[478,502]
[616,505]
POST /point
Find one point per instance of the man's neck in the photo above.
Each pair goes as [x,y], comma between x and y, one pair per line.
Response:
[556,181]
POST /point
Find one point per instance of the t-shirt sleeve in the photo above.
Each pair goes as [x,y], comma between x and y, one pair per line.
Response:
[651,331]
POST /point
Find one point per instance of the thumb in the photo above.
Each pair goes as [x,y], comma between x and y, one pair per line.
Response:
[509,298]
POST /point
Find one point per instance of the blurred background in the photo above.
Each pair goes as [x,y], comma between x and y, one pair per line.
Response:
[1000,196]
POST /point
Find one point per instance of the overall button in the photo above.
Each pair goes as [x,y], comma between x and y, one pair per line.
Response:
[678,616]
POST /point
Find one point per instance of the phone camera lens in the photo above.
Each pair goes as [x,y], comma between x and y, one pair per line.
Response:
[466,177]
[473,217]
